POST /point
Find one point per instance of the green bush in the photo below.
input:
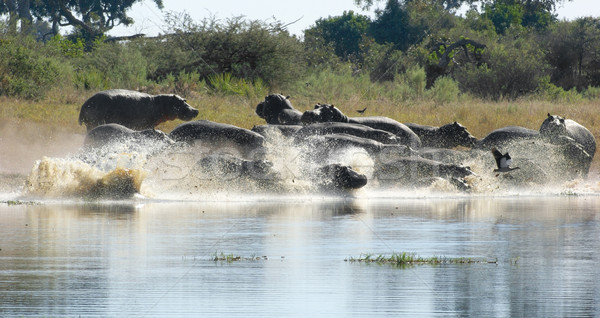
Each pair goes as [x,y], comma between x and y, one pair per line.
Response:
[25,71]
[444,90]
[508,71]
[111,65]
[245,49]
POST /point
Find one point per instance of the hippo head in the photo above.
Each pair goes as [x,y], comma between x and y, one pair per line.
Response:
[342,177]
[177,107]
[457,135]
[553,126]
[270,108]
[323,113]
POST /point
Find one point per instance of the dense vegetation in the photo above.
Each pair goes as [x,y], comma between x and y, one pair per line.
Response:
[506,49]
[413,52]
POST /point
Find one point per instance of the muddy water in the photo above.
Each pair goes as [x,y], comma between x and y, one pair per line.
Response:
[153,258]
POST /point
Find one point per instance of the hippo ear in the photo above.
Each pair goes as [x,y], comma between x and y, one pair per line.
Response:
[317,106]
[287,97]
[562,120]
[549,115]
[332,106]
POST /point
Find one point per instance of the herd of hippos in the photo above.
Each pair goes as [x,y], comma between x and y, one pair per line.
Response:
[402,154]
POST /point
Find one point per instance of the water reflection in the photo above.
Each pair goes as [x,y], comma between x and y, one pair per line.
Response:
[152,258]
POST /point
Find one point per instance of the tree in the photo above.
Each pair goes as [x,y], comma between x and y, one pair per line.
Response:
[528,13]
[344,33]
[448,5]
[91,18]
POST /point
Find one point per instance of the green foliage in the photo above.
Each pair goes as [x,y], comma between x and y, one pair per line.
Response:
[228,85]
[343,33]
[110,65]
[574,53]
[245,49]
[445,90]
[24,69]
[416,79]
[592,92]
[509,70]
[548,91]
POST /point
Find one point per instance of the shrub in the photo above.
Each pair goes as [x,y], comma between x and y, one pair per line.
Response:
[25,71]
[508,71]
[444,90]
[245,49]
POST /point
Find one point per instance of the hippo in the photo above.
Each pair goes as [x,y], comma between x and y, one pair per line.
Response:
[132,109]
[502,136]
[107,133]
[330,113]
[339,177]
[411,170]
[325,146]
[228,166]
[268,130]
[554,126]
[219,136]
[276,109]
[446,136]
[357,130]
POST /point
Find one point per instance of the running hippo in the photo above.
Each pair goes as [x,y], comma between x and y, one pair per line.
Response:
[555,126]
[339,177]
[411,171]
[269,130]
[276,109]
[501,137]
[357,130]
[133,109]
[227,166]
[446,136]
[326,146]
[329,113]
[219,136]
[105,134]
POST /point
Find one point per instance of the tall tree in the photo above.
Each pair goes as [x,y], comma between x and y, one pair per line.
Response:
[92,18]
[344,33]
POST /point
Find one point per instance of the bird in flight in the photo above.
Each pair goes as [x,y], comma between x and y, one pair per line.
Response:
[361,111]
[503,161]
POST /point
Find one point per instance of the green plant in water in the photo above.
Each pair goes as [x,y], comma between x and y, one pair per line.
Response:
[230,258]
[408,259]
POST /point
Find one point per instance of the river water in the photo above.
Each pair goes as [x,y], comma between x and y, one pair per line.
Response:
[538,256]
[68,248]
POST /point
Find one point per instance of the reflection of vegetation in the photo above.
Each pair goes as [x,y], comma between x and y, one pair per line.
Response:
[230,258]
[409,259]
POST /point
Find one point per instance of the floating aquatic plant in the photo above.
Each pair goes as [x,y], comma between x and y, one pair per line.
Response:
[230,258]
[407,259]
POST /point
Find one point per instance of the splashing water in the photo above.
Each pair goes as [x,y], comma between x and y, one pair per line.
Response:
[158,171]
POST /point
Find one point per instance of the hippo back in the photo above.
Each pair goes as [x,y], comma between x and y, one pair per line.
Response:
[446,136]
[505,135]
[347,128]
[556,126]
[214,134]
[404,134]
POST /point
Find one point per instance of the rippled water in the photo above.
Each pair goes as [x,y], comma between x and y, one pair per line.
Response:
[146,258]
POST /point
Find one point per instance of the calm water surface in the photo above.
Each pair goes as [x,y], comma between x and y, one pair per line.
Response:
[154,258]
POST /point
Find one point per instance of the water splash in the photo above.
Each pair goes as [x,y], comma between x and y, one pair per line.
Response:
[178,172]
